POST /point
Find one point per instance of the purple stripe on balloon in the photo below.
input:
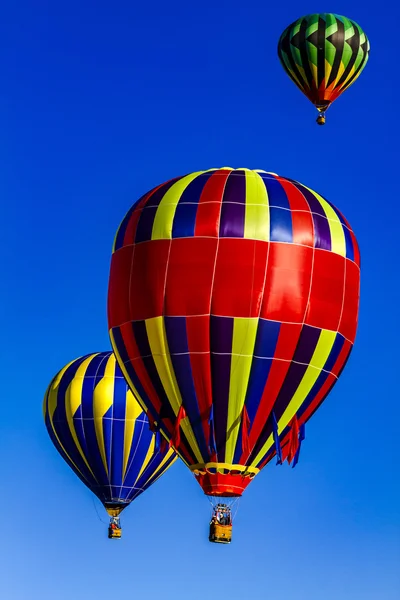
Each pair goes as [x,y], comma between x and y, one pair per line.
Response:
[145,224]
[313,202]
[221,376]
[221,335]
[306,345]
[232,220]
[235,188]
[175,328]
[233,206]
[322,233]
[148,214]
[159,194]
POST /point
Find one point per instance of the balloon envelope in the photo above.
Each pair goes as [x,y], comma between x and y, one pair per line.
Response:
[323,54]
[233,302]
[100,430]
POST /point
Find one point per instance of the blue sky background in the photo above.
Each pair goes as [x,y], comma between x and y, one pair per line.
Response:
[101,101]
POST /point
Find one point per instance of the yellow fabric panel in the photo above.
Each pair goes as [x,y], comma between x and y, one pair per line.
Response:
[159,349]
[314,70]
[162,226]
[244,337]
[148,457]
[328,70]
[350,75]
[132,412]
[166,457]
[103,396]
[53,391]
[317,362]
[51,400]
[256,224]
[340,72]
[338,240]
[73,400]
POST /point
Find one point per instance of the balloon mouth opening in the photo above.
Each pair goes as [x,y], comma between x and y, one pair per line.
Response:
[223,482]
[114,509]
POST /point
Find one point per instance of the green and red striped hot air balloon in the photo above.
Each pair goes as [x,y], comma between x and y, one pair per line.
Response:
[323,54]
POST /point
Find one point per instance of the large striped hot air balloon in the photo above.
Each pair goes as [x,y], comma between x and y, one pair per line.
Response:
[323,54]
[233,303]
[102,433]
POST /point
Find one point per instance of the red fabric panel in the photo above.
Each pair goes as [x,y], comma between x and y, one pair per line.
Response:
[209,209]
[189,276]
[198,334]
[288,283]
[293,439]
[348,322]
[326,298]
[245,432]
[218,484]
[176,437]
[287,341]
[148,279]
[239,277]
[303,226]
[118,290]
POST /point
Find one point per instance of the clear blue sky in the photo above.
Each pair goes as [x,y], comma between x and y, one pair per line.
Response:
[99,102]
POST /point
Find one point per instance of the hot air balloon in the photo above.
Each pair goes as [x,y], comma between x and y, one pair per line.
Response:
[323,54]
[100,430]
[232,309]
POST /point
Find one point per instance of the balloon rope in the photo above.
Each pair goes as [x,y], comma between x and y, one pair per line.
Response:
[97,512]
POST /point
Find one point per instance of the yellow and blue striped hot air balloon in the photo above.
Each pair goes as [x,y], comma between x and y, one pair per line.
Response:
[100,430]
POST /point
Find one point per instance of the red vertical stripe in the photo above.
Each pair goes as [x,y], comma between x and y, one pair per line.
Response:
[287,283]
[190,276]
[302,221]
[285,349]
[348,321]
[209,209]
[239,277]
[147,279]
[118,289]
[326,297]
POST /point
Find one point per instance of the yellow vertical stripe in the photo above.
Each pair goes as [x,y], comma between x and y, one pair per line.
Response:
[340,72]
[148,457]
[162,226]
[103,396]
[256,224]
[328,70]
[132,412]
[338,240]
[244,337]
[161,465]
[159,349]
[51,403]
[317,362]
[73,399]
